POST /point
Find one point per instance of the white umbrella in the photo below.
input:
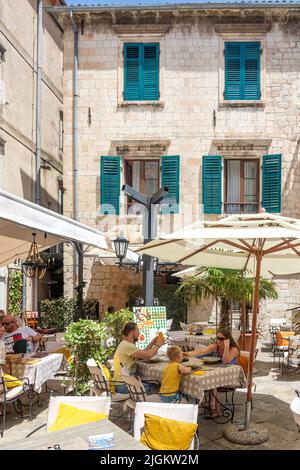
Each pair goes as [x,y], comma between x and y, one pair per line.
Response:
[231,243]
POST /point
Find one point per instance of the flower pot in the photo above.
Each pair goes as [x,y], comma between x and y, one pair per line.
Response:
[246,347]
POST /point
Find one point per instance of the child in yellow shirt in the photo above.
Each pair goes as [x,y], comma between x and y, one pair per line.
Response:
[170,385]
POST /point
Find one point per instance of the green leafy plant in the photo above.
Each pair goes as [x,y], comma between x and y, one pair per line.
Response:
[85,339]
[58,313]
[15,286]
[225,286]
[115,323]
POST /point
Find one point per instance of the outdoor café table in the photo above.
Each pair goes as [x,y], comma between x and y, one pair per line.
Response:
[215,376]
[76,438]
[37,370]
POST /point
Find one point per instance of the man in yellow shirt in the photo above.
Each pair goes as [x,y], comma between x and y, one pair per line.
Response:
[127,352]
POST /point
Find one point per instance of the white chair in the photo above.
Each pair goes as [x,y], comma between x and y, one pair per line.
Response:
[186,413]
[96,404]
[236,334]
[169,323]
[104,387]
[295,409]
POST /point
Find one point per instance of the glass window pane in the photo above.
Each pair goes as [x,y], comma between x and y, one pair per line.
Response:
[233,186]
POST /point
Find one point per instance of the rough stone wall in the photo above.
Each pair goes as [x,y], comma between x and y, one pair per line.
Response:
[190,58]
[18,26]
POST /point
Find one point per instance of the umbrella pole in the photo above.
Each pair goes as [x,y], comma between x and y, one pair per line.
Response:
[253,338]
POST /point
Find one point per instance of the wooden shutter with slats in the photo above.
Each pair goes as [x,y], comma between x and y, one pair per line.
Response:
[271,183]
[110,185]
[212,184]
[170,177]
[242,71]
[141,72]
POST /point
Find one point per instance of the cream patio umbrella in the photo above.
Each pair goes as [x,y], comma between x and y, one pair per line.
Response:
[236,242]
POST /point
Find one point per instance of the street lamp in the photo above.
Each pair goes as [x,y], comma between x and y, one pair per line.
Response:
[121,246]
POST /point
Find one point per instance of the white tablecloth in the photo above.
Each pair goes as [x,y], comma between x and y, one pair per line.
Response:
[195,385]
[38,372]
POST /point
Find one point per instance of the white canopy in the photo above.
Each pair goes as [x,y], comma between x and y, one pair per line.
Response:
[227,243]
[20,218]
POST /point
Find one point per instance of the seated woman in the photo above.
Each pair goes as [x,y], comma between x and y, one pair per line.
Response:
[228,351]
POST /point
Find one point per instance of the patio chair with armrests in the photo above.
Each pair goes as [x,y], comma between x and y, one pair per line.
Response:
[187,413]
[291,361]
[102,386]
[11,393]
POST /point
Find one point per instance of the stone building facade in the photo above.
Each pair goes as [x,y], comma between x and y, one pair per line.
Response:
[18,73]
[193,116]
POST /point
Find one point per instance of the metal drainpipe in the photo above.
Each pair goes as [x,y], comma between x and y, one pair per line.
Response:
[78,253]
[38,102]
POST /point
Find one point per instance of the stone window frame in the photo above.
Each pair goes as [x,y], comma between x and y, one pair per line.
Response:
[154,34]
[242,37]
[242,149]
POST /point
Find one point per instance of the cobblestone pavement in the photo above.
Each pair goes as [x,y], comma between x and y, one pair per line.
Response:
[271,401]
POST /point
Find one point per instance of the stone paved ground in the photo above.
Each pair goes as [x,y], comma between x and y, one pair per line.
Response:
[271,401]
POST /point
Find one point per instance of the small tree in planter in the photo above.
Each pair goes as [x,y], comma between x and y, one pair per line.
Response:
[115,323]
[85,339]
[15,285]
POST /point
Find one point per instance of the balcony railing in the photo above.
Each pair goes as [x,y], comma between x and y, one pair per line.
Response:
[241,207]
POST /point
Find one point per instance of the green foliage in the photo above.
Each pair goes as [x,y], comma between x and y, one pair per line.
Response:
[134,291]
[115,323]
[225,286]
[58,313]
[176,304]
[86,339]
[15,293]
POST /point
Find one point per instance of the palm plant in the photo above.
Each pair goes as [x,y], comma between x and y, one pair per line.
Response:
[225,286]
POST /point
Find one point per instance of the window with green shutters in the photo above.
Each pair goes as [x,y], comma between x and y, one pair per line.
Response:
[170,177]
[242,71]
[141,71]
[271,179]
[110,181]
[212,184]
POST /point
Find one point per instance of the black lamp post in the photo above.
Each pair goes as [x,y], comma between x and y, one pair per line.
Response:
[121,246]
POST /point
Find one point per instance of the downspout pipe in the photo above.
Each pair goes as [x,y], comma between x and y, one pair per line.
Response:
[38,103]
[75,119]
[78,247]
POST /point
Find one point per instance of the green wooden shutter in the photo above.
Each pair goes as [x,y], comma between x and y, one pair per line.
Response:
[170,177]
[242,71]
[110,185]
[271,183]
[233,78]
[251,71]
[132,74]
[150,72]
[212,184]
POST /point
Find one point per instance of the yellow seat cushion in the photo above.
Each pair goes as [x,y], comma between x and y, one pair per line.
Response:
[167,434]
[108,376]
[7,378]
[280,337]
[68,416]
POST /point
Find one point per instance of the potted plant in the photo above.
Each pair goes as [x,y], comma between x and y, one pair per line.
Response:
[85,339]
[115,322]
[226,286]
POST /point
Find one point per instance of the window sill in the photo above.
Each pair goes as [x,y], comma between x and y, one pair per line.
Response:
[242,104]
[155,104]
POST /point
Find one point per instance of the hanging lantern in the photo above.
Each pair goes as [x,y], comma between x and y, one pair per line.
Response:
[34,265]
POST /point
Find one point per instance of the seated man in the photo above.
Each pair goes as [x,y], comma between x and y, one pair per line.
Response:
[14,333]
[127,352]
